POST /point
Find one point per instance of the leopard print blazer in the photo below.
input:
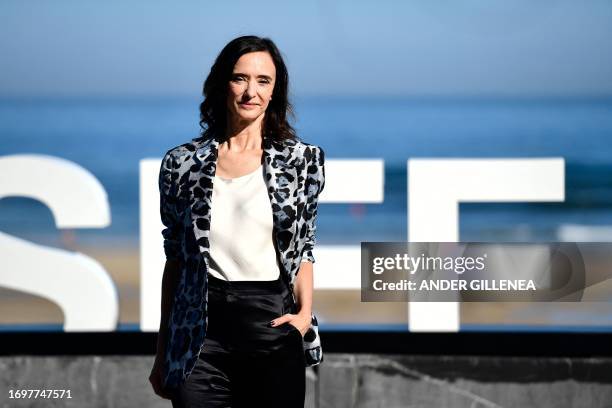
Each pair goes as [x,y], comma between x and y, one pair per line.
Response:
[295,176]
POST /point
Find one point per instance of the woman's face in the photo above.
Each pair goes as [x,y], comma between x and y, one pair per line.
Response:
[251,86]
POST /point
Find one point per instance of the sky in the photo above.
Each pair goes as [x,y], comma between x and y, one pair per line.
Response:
[518,48]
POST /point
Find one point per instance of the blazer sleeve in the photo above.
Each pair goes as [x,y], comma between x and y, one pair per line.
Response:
[172,230]
[315,182]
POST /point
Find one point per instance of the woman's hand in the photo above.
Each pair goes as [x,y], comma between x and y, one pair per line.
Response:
[300,321]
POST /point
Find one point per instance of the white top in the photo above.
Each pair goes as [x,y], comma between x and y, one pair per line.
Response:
[241,241]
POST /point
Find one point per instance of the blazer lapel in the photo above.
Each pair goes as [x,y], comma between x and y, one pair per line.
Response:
[201,176]
[281,179]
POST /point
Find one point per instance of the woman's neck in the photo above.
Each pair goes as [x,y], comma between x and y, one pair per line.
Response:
[245,136]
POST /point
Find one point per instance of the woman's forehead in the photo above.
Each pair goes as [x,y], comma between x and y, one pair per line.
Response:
[260,62]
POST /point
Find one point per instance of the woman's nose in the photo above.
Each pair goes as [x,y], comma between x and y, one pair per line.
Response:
[251,90]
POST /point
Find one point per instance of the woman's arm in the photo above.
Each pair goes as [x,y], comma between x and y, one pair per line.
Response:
[315,183]
[304,279]
[172,245]
[303,291]
[169,284]
[172,268]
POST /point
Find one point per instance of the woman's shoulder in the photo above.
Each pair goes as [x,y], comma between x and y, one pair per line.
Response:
[308,151]
[183,149]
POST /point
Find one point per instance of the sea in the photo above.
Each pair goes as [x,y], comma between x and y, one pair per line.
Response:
[109,136]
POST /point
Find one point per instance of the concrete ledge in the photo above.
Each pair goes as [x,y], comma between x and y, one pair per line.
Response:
[343,380]
[361,369]
[348,380]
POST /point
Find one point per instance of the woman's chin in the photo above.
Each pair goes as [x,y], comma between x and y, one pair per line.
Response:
[248,116]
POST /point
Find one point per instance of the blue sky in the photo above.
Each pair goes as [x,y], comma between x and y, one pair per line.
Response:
[457,48]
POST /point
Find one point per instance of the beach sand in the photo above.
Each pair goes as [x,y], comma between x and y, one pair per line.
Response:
[121,263]
[331,306]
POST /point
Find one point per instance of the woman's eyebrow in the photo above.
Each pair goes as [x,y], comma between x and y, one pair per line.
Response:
[269,78]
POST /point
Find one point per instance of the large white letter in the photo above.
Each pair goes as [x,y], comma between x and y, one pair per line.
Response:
[78,284]
[437,186]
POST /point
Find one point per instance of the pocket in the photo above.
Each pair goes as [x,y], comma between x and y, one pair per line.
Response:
[296,330]
[295,341]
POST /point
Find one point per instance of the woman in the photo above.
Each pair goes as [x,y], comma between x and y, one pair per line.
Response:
[237,327]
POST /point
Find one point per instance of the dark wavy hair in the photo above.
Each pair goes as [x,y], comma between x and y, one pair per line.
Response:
[213,110]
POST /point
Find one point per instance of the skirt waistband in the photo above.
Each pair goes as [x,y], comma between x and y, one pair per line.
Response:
[260,287]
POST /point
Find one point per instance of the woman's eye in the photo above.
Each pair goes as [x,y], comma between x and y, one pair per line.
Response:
[264,81]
